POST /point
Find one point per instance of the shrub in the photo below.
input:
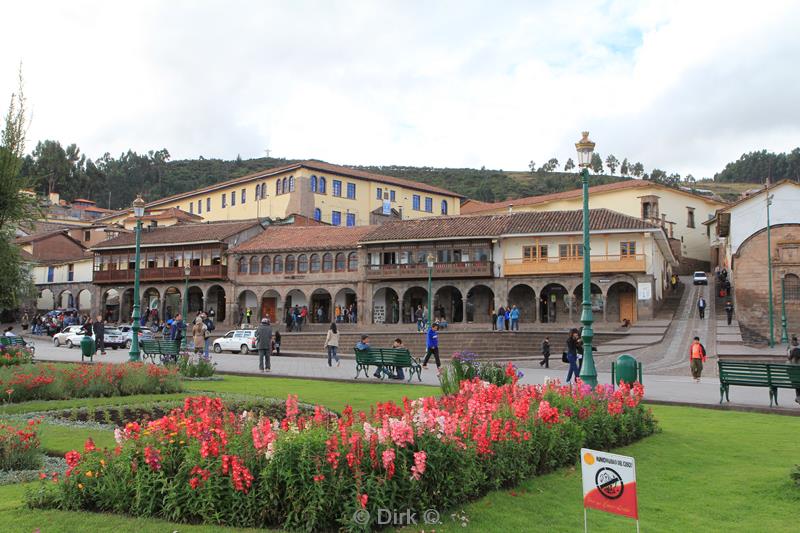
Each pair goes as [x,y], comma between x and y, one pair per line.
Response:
[794,475]
[19,448]
[464,366]
[60,382]
[15,355]
[195,366]
[202,463]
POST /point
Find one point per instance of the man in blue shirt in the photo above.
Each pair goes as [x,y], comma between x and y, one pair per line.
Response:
[433,347]
[514,316]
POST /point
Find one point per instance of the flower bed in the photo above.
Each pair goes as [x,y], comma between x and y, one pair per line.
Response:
[464,366]
[15,355]
[204,464]
[19,448]
[196,366]
[60,382]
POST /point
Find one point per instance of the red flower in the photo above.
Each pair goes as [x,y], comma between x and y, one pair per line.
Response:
[363,500]
[89,446]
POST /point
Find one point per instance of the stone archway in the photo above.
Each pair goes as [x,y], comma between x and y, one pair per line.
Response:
[448,303]
[215,299]
[413,298]
[553,305]
[319,311]
[194,300]
[46,301]
[524,297]
[110,305]
[385,306]
[66,300]
[345,298]
[126,306]
[480,304]
[270,305]
[84,301]
[621,302]
[247,300]
[173,304]
[597,299]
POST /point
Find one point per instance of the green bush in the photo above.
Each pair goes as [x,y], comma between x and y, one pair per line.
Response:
[465,366]
[195,366]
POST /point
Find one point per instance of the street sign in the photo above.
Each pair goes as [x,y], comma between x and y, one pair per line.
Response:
[609,484]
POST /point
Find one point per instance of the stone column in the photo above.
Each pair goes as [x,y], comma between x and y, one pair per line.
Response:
[463,309]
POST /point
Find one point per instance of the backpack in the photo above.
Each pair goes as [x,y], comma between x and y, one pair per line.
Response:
[564,358]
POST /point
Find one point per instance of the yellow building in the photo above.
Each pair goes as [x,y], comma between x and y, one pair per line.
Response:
[681,213]
[330,193]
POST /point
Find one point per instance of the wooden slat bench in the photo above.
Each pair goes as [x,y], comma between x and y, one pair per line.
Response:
[772,376]
[167,350]
[12,341]
[387,358]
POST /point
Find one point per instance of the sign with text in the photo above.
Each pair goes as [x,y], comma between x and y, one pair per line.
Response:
[609,483]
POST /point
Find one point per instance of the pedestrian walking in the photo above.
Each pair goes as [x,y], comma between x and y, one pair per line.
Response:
[697,356]
[729,311]
[545,362]
[432,345]
[793,351]
[332,344]
[572,355]
[178,329]
[207,333]
[99,330]
[199,332]
[24,321]
[701,307]
[264,344]
[514,315]
[501,318]
[419,317]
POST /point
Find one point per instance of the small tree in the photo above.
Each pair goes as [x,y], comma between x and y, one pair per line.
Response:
[638,170]
[612,163]
[532,166]
[597,163]
[569,165]
[625,169]
[551,165]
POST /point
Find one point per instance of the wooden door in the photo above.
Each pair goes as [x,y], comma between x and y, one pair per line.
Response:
[627,306]
[268,308]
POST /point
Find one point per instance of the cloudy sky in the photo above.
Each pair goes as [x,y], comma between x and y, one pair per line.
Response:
[684,86]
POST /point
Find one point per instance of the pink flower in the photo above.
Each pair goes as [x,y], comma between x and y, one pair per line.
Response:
[418,469]
[401,432]
[547,413]
[388,462]
[291,407]
[363,500]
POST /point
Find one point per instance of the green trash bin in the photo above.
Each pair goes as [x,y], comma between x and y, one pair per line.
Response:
[87,348]
[627,369]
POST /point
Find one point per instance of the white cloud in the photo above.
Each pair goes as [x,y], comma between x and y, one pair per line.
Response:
[684,86]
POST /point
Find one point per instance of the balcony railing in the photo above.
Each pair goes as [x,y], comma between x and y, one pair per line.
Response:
[161,274]
[573,265]
[469,269]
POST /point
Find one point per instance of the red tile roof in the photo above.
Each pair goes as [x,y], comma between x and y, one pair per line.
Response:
[489,226]
[291,238]
[172,212]
[577,193]
[181,233]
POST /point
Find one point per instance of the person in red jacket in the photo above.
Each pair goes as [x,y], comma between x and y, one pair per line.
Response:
[697,356]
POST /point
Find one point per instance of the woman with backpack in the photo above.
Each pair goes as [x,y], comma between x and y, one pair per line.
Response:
[332,344]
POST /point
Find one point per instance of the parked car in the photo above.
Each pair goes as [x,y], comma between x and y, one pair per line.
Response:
[238,340]
[113,338]
[145,334]
[700,278]
[70,336]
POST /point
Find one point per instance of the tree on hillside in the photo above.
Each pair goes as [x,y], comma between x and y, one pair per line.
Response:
[690,179]
[624,169]
[612,163]
[551,165]
[569,165]
[532,166]
[597,163]
[754,167]
[637,170]
[16,205]
[659,176]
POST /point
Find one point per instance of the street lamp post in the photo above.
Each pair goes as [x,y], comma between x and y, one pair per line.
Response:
[585,149]
[769,276]
[784,329]
[431,261]
[187,270]
[138,212]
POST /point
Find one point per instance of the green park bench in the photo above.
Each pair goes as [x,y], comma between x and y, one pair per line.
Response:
[167,350]
[388,358]
[773,376]
[13,341]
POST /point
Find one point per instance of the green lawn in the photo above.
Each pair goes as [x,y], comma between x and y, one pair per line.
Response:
[706,471]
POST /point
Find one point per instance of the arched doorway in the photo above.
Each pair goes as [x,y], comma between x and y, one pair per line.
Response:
[598,304]
[553,303]
[247,300]
[346,300]
[194,300]
[385,306]
[448,304]
[412,299]
[215,299]
[110,307]
[85,301]
[295,298]
[621,302]
[270,301]
[46,301]
[480,302]
[126,306]
[66,300]
[524,297]
[320,309]
[151,299]
[172,303]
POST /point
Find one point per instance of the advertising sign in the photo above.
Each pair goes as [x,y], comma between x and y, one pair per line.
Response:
[609,483]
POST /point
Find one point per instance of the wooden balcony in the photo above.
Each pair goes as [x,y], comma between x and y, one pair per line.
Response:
[469,269]
[213,272]
[574,265]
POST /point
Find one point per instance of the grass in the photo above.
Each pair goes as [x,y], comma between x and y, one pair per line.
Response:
[707,471]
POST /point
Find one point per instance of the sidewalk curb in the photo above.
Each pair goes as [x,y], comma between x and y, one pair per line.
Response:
[783,411]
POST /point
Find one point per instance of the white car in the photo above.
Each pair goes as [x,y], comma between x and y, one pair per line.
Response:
[700,278]
[70,336]
[238,340]
[145,334]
